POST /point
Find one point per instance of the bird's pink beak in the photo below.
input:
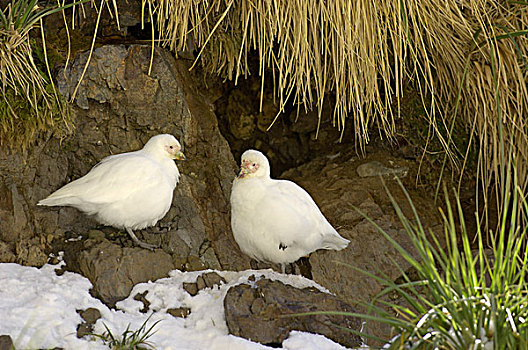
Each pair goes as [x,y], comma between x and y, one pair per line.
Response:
[180,156]
[243,172]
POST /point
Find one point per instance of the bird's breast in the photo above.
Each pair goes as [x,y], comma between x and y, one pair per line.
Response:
[171,172]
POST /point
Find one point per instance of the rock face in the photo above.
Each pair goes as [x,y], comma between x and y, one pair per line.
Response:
[118,107]
[260,312]
[376,168]
[126,105]
[295,137]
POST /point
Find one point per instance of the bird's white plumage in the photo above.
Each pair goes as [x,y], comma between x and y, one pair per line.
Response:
[276,220]
[129,190]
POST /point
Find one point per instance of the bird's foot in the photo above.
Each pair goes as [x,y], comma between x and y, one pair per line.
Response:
[140,243]
[146,245]
[304,268]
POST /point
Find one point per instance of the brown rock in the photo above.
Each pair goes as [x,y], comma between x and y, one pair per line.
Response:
[6,255]
[212,278]
[29,252]
[229,254]
[191,288]
[97,235]
[241,120]
[194,263]
[142,297]
[13,216]
[84,329]
[182,312]
[375,168]
[303,122]
[242,125]
[290,141]
[114,270]
[6,343]
[268,114]
[53,260]
[90,315]
[206,280]
[200,283]
[260,313]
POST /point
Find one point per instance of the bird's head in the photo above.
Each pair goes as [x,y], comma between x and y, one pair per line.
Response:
[253,164]
[165,144]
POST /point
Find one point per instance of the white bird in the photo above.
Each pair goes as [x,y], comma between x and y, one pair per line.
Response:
[128,191]
[276,221]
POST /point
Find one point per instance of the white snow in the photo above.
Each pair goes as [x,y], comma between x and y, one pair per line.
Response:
[38,310]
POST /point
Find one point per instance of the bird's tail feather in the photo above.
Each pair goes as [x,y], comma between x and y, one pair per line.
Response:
[52,201]
[70,201]
[335,242]
[68,195]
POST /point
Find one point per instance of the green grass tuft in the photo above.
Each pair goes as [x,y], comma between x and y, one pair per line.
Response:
[461,294]
[129,340]
[463,298]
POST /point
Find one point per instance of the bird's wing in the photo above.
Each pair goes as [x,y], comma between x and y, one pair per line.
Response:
[298,198]
[291,213]
[113,178]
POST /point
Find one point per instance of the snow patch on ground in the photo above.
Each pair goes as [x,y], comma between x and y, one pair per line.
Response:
[38,309]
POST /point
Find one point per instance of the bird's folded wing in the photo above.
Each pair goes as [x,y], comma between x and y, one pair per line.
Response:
[115,177]
[296,197]
[290,213]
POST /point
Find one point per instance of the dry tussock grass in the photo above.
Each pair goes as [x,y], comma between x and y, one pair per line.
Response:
[473,54]
[468,59]
[310,48]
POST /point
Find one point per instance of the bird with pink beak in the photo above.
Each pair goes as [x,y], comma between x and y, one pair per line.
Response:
[247,167]
[276,221]
[128,191]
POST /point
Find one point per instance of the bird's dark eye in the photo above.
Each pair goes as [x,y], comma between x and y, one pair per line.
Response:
[171,147]
[254,164]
